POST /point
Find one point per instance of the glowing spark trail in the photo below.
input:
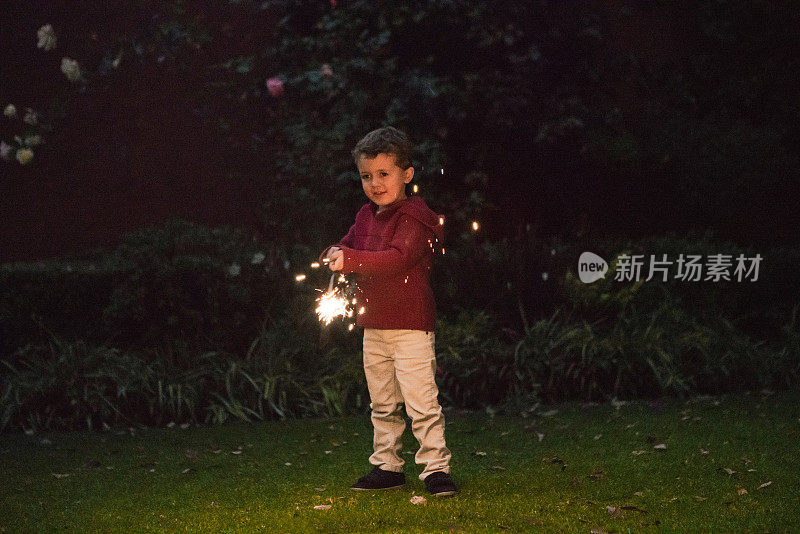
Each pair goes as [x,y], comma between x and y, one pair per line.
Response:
[332,304]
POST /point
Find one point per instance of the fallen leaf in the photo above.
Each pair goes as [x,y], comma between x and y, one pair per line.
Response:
[418,499]
[698,498]
[613,511]
[60,475]
[634,508]
[320,489]
[328,452]
[479,453]
[191,454]
[236,452]
[765,484]
[217,451]
[499,467]
[322,507]
[540,436]
[639,493]
[637,453]
[186,470]
[598,436]
[287,464]
[741,491]
[660,446]
[549,413]
[505,433]
[703,452]
[728,470]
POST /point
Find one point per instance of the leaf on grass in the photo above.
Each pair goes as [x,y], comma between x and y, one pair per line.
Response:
[634,508]
[479,453]
[191,454]
[637,453]
[328,452]
[613,511]
[217,451]
[597,474]
[540,436]
[699,498]
[598,531]
[660,446]
[322,507]
[287,464]
[549,413]
[598,436]
[499,467]
[60,475]
[555,460]
[765,484]
[741,491]
[639,493]
[507,432]
[418,499]
[728,470]
[236,452]
[703,452]
[186,470]
[320,489]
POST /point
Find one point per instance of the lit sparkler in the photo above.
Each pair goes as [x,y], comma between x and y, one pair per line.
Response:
[332,304]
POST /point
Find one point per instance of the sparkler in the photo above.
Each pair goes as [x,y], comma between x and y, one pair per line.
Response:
[332,304]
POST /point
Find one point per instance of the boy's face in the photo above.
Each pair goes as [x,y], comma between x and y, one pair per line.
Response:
[383,181]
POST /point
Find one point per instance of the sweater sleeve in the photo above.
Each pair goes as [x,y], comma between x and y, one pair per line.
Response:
[346,241]
[411,241]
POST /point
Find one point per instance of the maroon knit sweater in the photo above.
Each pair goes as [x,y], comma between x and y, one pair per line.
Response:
[391,252]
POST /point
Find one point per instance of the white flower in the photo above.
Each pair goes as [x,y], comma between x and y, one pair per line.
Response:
[10,111]
[234,269]
[31,117]
[33,140]
[71,68]
[5,151]
[24,155]
[258,257]
[47,37]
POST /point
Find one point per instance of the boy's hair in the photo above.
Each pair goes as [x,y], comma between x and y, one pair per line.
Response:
[386,140]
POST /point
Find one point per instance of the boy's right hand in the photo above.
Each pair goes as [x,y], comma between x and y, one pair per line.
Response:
[335,259]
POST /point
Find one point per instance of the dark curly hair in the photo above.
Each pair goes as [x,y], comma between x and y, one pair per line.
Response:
[386,140]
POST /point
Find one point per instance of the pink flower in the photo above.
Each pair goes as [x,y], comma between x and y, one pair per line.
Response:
[275,86]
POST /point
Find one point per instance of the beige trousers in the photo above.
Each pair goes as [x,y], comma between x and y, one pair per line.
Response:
[400,366]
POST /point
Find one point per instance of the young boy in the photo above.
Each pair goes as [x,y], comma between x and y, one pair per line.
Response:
[390,248]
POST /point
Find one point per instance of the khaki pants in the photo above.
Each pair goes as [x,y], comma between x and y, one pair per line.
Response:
[400,366]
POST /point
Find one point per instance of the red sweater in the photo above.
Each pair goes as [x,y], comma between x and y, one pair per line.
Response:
[391,252]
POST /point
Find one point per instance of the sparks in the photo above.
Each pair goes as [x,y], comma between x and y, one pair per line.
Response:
[315,265]
[331,305]
[415,188]
[300,277]
[475,226]
[441,221]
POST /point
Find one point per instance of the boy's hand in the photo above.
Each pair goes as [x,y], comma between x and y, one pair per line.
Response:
[335,259]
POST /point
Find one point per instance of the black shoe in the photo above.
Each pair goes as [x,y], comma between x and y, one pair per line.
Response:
[440,484]
[380,479]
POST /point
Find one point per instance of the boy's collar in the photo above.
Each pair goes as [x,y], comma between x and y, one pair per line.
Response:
[389,207]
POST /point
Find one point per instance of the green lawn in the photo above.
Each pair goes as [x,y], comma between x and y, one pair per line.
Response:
[731,463]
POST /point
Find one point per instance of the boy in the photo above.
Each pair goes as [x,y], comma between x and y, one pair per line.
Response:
[390,248]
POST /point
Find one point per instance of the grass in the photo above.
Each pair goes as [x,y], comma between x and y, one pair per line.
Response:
[548,471]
